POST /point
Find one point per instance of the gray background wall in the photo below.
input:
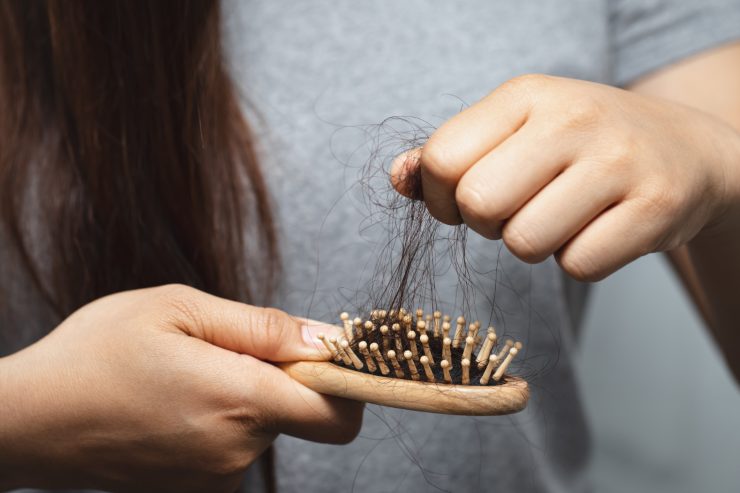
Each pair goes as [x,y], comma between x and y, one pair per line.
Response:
[664,410]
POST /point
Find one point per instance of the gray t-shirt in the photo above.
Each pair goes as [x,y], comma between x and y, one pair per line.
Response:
[317,76]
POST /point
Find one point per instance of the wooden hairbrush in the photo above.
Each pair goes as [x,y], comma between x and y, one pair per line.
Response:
[398,360]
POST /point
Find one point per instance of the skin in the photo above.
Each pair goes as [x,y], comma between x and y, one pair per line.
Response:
[598,176]
[161,389]
[170,389]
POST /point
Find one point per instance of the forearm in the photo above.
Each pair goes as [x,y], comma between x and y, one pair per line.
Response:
[714,285]
[709,265]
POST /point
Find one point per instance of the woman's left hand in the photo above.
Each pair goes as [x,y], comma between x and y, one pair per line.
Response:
[596,175]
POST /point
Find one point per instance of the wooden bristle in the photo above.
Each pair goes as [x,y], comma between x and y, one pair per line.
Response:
[366,354]
[396,366]
[485,351]
[421,327]
[375,351]
[369,327]
[424,339]
[502,368]
[347,324]
[411,336]
[468,351]
[473,329]
[427,369]
[412,366]
[397,334]
[491,363]
[505,350]
[407,323]
[458,332]
[446,351]
[342,353]
[352,356]
[446,370]
[328,345]
[379,347]
[386,339]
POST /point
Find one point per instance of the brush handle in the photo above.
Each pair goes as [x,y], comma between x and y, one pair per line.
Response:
[327,378]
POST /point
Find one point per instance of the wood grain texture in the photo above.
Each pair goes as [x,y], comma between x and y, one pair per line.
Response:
[328,378]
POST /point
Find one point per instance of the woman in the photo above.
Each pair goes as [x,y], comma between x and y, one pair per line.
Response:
[126,165]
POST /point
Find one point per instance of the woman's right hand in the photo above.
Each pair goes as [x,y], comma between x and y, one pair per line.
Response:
[160,389]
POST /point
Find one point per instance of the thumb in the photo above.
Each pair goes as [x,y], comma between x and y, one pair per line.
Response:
[406,174]
[265,333]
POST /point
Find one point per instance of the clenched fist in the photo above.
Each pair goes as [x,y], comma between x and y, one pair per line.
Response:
[596,175]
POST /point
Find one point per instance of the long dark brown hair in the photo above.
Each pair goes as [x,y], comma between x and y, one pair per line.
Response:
[125,160]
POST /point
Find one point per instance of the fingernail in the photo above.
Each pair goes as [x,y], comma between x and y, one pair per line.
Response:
[311,329]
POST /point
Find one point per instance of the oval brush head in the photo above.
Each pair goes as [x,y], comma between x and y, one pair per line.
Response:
[398,360]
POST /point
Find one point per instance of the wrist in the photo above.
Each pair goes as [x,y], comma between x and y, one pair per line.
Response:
[14,463]
[726,223]
[26,420]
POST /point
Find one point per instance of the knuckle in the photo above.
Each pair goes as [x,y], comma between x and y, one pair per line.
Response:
[527,82]
[273,324]
[523,241]
[470,202]
[479,205]
[478,212]
[179,300]
[437,160]
[581,266]
[172,291]
[583,114]
[544,133]
[606,174]
[527,86]
[659,200]
[623,148]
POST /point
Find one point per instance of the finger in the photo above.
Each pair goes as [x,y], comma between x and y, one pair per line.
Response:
[503,180]
[561,209]
[296,410]
[406,174]
[462,141]
[615,238]
[265,333]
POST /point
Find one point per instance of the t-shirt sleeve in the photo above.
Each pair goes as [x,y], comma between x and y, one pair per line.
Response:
[650,34]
